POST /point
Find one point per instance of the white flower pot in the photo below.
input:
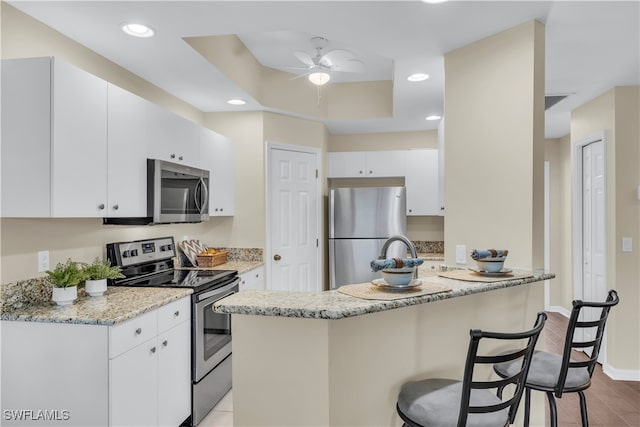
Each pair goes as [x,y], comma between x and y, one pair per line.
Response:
[95,288]
[64,296]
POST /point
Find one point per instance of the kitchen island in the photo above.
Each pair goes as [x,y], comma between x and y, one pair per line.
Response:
[332,359]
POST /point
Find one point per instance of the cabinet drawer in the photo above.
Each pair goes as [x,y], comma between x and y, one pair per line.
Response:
[132,333]
[172,314]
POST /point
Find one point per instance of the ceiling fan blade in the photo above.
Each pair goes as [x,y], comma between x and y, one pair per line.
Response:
[304,57]
[350,66]
[335,57]
[299,76]
[291,68]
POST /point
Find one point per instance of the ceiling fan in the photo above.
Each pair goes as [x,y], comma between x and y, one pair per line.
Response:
[320,66]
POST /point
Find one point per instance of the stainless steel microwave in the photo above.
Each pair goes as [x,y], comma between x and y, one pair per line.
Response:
[175,194]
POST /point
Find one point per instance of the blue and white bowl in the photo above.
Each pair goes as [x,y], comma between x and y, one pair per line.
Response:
[491,265]
[398,276]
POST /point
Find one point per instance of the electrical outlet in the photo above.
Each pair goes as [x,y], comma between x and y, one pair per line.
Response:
[627,244]
[461,254]
[43,261]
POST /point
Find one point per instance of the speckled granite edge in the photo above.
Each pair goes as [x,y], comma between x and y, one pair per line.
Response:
[427,246]
[117,305]
[334,305]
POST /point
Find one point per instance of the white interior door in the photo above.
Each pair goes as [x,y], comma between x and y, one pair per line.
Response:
[294,230]
[594,287]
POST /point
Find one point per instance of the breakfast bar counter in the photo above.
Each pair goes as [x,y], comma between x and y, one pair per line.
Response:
[329,358]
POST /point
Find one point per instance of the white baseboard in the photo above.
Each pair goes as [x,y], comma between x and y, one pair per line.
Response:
[620,374]
[558,309]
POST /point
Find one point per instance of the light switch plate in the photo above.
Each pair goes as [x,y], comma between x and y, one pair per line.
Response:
[627,244]
[43,261]
[461,254]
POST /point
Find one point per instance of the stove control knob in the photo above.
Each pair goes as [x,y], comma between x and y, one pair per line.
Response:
[133,252]
[126,254]
[164,248]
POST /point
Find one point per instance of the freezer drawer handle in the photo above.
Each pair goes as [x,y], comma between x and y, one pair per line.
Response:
[277,257]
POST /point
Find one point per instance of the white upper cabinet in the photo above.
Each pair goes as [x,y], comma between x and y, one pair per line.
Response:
[216,155]
[369,164]
[421,181]
[171,137]
[127,154]
[54,140]
[441,165]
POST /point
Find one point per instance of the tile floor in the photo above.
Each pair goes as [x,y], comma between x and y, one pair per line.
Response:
[609,403]
[221,415]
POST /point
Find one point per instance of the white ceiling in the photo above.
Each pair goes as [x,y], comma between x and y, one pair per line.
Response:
[591,46]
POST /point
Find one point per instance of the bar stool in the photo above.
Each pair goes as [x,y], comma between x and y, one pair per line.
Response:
[446,402]
[556,374]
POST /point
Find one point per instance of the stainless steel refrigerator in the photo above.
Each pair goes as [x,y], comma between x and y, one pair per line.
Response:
[360,220]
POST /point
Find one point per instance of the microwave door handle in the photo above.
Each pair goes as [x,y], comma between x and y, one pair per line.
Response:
[205,193]
[195,196]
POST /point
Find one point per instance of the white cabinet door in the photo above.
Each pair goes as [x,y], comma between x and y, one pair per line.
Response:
[174,375]
[172,138]
[133,385]
[127,150]
[385,163]
[421,181]
[216,155]
[26,137]
[346,164]
[441,166]
[79,143]
[252,279]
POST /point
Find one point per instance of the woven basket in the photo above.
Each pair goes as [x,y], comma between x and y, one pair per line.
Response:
[212,260]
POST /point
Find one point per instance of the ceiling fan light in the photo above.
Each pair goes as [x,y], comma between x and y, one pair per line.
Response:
[319,78]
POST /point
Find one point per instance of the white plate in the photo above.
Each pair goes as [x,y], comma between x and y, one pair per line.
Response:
[382,284]
[500,273]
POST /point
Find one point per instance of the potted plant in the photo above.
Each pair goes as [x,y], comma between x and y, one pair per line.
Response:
[96,275]
[65,279]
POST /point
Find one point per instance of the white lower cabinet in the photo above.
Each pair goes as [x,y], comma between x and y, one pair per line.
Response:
[137,373]
[150,383]
[252,279]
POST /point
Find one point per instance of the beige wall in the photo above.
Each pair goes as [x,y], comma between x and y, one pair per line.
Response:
[493,130]
[617,112]
[558,154]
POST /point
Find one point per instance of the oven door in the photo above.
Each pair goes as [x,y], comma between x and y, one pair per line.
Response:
[211,331]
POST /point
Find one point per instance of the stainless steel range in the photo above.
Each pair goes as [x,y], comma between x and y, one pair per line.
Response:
[150,263]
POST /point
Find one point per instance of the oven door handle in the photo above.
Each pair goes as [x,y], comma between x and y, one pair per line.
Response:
[220,291]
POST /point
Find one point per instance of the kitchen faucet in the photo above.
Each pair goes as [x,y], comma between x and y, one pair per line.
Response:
[407,242]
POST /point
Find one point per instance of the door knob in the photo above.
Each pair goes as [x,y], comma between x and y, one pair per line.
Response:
[277,257]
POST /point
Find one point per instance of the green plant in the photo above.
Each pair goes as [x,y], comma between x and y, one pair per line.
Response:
[66,275]
[101,269]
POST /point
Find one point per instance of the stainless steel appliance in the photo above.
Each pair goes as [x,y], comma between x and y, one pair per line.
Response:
[175,193]
[150,263]
[360,220]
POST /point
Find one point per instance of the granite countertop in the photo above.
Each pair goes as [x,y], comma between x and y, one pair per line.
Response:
[335,305]
[431,256]
[115,306]
[241,266]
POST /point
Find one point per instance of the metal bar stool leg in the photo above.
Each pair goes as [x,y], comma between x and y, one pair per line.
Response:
[527,406]
[583,409]
[553,412]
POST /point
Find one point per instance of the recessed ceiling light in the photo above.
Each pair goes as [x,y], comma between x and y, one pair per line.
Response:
[418,77]
[434,1]
[434,117]
[137,30]
[236,101]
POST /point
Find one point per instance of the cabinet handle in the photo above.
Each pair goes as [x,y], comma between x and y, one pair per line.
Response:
[116,207]
[216,209]
[180,158]
[257,275]
[177,313]
[277,257]
[173,156]
[138,331]
[153,349]
[101,206]
[360,172]
[221,209]
[164,343]
[441,208]
[370,172]
[410,210]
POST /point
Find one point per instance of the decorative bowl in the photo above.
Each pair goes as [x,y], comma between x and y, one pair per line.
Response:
[397,276]
[490,265]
